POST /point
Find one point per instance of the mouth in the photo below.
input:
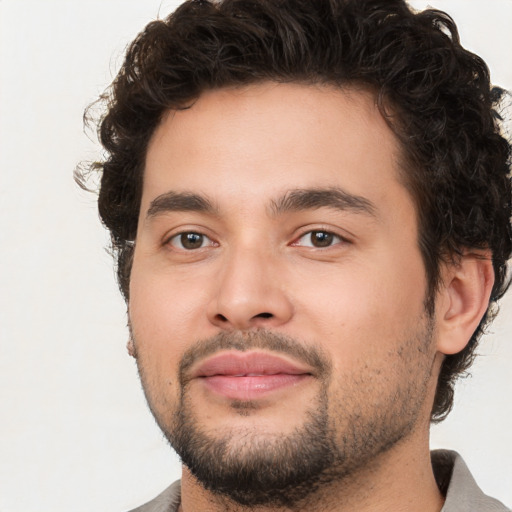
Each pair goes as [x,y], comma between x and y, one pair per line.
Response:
[249,376]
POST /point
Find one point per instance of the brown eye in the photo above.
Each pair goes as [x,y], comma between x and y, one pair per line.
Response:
[321,238]
[190,241]
[318,239]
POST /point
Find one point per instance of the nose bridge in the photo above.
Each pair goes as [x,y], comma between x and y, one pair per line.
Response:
[248,292]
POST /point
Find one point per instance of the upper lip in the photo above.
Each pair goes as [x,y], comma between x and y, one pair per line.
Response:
[238,364]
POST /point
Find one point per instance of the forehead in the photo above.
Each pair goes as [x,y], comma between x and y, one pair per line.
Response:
[243,144]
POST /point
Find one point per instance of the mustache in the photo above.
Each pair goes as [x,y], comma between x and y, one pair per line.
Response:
[261,339]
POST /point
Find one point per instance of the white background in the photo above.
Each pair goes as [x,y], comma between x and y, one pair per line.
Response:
[75,433]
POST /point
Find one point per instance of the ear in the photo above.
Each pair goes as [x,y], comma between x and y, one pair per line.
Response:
[130,347]
[463,299]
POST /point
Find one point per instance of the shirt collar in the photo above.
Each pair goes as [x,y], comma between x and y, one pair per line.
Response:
[456,482]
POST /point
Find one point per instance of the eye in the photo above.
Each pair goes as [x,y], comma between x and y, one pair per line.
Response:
[318,239]
[190,240]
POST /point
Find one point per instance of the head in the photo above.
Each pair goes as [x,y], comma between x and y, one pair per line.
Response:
[433,96]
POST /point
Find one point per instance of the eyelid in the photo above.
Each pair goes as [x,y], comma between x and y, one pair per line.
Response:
[342,239]
[175,235]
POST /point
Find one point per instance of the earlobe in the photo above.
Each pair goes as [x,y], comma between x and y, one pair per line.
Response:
[130,347]
[463,300]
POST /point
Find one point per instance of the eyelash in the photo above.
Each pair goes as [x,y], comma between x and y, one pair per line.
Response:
[331,238]
[179,240]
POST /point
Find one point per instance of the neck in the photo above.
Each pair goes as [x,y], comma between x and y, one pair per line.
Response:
[399,480]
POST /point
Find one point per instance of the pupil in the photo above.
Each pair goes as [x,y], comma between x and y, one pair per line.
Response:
[322,239]
[191,240]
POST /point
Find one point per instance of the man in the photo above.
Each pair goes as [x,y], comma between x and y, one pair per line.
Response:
[310,207]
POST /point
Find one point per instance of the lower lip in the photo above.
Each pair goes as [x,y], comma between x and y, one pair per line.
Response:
[253,387]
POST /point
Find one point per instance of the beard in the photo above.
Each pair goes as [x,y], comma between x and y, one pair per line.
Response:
[253,469]
[342,432]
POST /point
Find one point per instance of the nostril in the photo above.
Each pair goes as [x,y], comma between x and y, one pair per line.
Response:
[242,321]
[264,315]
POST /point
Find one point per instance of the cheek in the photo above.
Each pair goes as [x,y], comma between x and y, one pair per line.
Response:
[160,318]
[361,314]
[167,304]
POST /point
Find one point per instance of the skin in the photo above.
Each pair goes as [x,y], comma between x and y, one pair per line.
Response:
[359,300]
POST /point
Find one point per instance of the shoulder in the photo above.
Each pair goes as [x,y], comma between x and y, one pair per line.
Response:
[457,483]
[167,501]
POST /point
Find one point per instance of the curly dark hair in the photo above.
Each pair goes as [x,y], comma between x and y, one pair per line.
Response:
[435,95]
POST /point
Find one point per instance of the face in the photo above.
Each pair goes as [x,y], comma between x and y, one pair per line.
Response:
[277,290]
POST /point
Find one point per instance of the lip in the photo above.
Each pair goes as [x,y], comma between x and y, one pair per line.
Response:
[248,376]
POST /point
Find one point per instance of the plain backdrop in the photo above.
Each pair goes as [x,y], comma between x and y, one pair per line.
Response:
[75,433]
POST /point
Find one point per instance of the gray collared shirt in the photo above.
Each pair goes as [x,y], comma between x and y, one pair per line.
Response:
[452,475]
[461,491]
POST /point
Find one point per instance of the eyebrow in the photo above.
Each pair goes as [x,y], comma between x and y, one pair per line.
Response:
[314,198]
[180,202]
[291,201]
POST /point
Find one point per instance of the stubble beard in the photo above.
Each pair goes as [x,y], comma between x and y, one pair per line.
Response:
[253,469]
[339,436]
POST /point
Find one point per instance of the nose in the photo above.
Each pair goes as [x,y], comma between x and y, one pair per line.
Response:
[249,294]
